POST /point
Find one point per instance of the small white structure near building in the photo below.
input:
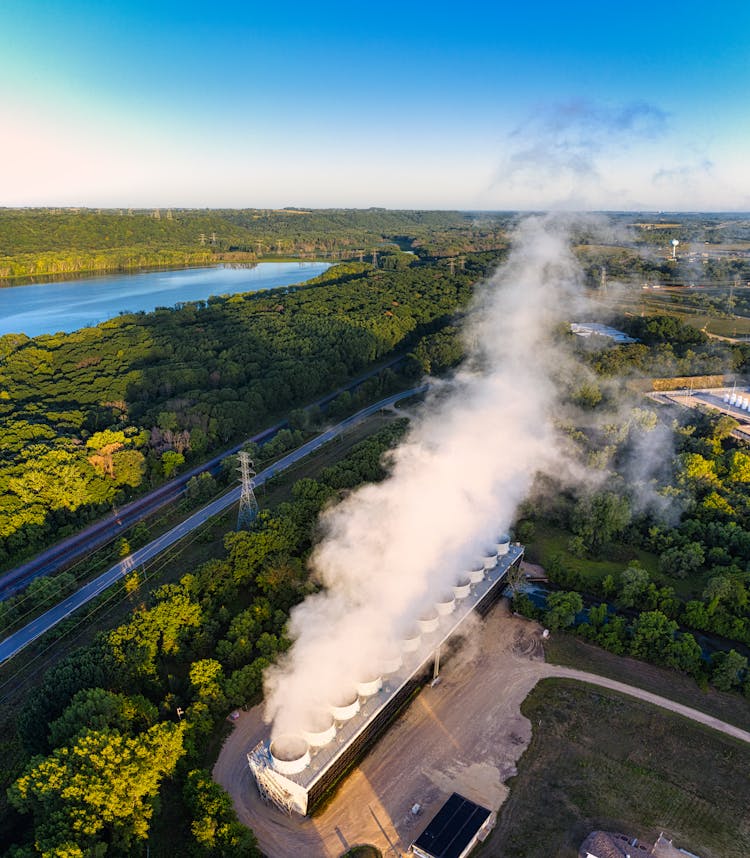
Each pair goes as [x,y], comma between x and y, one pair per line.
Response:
[588,329]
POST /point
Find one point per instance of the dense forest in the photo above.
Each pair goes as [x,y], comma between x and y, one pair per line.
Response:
[642,562]
[101,754]
[656,552]
[92,417]
[39,242]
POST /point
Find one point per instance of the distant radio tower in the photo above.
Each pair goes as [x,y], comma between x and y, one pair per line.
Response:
[248,504]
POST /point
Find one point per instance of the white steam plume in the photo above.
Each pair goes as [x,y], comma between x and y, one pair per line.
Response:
[391,549]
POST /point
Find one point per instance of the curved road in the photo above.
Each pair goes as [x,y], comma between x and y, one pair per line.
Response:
[14,643]
[465,735]
[558,672]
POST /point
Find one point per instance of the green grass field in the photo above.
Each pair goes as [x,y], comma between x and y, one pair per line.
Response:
[550,541]
[600,760]
[571,651]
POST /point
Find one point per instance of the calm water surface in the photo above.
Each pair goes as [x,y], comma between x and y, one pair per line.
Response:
[46,308]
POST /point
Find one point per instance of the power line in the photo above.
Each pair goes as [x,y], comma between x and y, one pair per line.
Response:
[116,596]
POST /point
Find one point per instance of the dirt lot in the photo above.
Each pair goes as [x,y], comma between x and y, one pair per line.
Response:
[465,735]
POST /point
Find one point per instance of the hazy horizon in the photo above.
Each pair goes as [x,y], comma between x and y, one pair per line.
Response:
[147,209]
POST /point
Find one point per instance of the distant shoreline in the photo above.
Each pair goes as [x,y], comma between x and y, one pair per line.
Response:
[249,262]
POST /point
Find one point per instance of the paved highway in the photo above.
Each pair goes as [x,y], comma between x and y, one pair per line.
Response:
[80,544]
[14,643]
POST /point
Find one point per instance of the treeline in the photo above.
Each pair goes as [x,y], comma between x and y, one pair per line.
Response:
[689,227]
[667,348]
[37,265]
[640,622]
[89,419]
[41,230]
[39,242]
[119,732]
[622,263]
[48,590]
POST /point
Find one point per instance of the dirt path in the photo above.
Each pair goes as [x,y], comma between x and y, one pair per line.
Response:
[464,735]
[655,699]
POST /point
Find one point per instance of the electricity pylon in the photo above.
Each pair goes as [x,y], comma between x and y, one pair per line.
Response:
[248,504]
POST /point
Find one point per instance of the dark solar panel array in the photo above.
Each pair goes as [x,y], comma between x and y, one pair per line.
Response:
[451,831]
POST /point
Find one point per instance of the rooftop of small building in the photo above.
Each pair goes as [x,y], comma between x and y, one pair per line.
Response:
[453,828]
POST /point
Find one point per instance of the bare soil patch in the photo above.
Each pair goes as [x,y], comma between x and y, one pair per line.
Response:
[465,735]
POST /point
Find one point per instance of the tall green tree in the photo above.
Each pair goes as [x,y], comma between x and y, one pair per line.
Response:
[104,784]
[562,608]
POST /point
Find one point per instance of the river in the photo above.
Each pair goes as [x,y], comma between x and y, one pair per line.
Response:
[46,308]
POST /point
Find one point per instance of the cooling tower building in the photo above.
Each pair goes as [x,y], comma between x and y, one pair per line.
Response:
[296,772]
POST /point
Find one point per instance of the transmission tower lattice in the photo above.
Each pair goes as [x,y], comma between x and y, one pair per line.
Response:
[248,504]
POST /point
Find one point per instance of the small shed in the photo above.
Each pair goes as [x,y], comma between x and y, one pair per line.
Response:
[455,830]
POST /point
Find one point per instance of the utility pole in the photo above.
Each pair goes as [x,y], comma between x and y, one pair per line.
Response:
[248,504]
[436,666]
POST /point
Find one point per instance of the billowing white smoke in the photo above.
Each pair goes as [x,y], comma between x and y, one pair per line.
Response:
[391,549]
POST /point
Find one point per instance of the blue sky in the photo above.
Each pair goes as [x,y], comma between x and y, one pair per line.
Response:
[477,105]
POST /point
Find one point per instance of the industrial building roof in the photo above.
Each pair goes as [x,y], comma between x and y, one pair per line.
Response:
[413,664]
[586,329]
[454,828]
